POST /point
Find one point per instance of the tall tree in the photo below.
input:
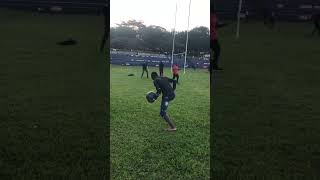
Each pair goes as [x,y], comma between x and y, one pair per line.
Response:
[135,35]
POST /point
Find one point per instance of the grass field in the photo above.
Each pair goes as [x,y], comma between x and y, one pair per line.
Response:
[53,107]
[54,124]
[140,148]
[266,103]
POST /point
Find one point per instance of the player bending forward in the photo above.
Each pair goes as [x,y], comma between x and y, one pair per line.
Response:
[163,85]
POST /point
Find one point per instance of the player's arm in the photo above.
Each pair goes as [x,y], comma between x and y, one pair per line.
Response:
[174,83]
[157,86]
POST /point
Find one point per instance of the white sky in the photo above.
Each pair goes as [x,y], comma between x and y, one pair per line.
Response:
[161,12]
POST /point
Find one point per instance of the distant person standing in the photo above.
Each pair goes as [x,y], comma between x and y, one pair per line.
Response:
[316,22]
[193,66]
[246,16]
[265,16]
[269,18]
[106,14]
[145,69]
[214,42]
[175,72]
[161,65]
[272,19]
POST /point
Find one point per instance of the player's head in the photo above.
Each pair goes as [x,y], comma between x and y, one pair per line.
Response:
[154,75]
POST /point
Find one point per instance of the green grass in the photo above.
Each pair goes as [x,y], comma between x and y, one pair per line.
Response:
[140,148]
[53,121]
[55,126]
[266,103]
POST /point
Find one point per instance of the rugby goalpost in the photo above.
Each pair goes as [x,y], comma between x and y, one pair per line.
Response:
[187,39]
[238,20]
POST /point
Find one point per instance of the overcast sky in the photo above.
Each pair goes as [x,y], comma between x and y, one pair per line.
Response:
[161,12]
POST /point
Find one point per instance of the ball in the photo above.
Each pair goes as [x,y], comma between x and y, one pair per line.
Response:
[151,97]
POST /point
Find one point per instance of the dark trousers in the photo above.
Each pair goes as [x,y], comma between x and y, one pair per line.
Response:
[176,76]
[215,54]
[161,72]
[165,103]
[163,109]
[145,70]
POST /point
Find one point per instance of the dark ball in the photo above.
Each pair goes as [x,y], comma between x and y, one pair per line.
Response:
[151,97]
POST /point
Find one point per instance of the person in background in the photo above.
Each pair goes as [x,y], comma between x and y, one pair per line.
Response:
[246,16]
[145,69]
[214,42]
[106,14]
[175,72]
[316,22]
[269,17]
[272,19]
[193,65]
[161,65]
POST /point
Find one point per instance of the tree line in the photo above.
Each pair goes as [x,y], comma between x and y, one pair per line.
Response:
[136,35]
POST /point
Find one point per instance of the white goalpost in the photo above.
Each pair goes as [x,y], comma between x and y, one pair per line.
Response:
[238,21]
[174,34]
[187,39]
[185,56]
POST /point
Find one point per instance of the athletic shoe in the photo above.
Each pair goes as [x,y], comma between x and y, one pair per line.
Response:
[171,130]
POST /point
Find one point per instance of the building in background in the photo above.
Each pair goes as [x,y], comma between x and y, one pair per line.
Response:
[285,10]
[56,6]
